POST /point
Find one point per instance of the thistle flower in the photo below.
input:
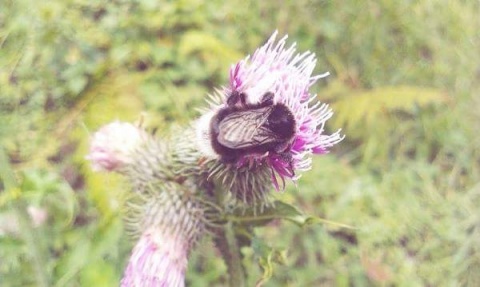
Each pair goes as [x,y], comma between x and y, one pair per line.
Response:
[112,146]
[266,119]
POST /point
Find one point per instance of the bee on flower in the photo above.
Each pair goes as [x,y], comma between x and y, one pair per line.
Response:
[265,125]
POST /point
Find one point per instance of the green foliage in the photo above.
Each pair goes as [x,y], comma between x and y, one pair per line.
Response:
[404,88]
[369,109]
[374,112]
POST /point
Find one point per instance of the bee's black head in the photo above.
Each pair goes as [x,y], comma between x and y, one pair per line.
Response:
[281,121]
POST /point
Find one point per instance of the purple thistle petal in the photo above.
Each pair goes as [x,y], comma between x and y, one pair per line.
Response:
[157,260]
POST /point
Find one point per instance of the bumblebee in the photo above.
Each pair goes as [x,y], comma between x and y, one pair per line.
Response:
[241,128]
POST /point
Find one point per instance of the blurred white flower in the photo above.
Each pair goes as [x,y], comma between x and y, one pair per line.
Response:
[9,224]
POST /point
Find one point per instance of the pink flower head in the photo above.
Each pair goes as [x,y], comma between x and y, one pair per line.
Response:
[112,146]
[158,260]
[286,77]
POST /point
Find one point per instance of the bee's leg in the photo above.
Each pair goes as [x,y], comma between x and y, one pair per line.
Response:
[232,100]
[287,157]
[243,99]
[230,156]
[236,97]
[280,148]
[267,99]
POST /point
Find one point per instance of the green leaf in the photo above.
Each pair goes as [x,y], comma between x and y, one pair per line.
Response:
[281,210]
[266,257]
[6,173]
[77,84]
[73,262]
[99,273]
[82,254]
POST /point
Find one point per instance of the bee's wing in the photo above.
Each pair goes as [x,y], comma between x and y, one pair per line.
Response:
[244,129]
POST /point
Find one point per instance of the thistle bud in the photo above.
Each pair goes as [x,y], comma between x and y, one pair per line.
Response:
[112,146]
[169,219]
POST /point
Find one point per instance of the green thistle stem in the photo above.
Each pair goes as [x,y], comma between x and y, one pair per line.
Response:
[227,242]
[29,234]
[237,272]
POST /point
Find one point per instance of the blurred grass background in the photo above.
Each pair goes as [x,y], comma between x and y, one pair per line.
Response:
[404,85]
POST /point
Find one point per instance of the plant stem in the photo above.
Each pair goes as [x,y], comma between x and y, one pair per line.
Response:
[227,242]
[237,272]
[29,234]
